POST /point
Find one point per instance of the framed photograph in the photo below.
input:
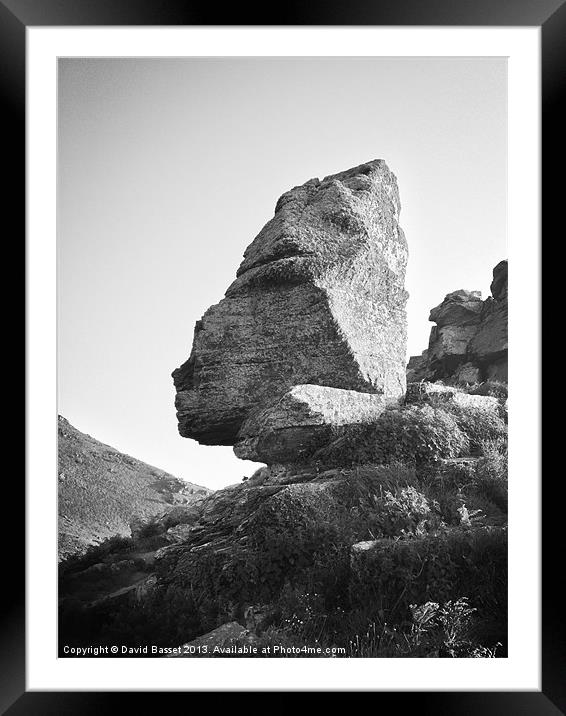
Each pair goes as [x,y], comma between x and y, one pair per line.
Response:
[283,313]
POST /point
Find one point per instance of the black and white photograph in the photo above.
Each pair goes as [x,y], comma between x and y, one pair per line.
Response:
[283,353]
[282,376]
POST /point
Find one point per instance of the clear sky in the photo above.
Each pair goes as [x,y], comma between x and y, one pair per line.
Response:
[169,168]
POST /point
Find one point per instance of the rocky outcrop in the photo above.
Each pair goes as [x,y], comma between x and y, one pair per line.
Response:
[417,367]
[301,366]
[489,345]
[469,342]
[318,299]
[438,394]
[103,493]
[302,420]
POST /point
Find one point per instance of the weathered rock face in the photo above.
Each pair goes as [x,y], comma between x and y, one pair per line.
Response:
[489,345]
[302,420]
[417,367]
[459,308]
[442,394]
[469,342]
[318,299]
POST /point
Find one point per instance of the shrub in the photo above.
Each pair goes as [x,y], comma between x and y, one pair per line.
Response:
[113,546]
[167,617]
[151,528]
[449,504]
[491,480]
[453,475]
[364,481]
[478,424]
[493,388]
[448,629]
[394,574]
[304,539]
[413,433]
[293,553]
[434,630]
[301,538]
[418,434]
[302,613]
[406,513]
[494,448]
[300,535]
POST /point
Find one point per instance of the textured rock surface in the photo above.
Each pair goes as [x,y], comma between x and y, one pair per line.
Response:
[460,308]
[319,298]
[417,367]
[469,342]
[178,533]
[438,394]
[235,520]
[489,345]
[302,420]
[468,373]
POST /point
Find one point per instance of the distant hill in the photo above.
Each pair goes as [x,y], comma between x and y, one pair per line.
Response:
[101,491]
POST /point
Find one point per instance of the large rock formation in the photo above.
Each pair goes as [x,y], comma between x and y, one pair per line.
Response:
[488,347]
[303,419]
[319,299]
[365,506]
[469,342]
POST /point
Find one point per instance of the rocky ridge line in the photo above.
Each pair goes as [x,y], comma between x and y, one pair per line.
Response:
[469,342]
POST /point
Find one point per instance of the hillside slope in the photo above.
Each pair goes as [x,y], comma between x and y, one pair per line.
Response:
[101,491]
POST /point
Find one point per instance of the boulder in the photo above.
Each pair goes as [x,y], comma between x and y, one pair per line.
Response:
[448,348]
[459,308]
[439,394]
[318,299]
[302,420]
[499,284]
[469,342]
[457,319]
[178,533]
[489,344]
[360,547]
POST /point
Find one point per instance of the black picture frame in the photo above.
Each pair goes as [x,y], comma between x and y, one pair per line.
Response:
[15,17]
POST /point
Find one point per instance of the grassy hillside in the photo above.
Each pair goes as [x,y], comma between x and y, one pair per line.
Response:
[101,491]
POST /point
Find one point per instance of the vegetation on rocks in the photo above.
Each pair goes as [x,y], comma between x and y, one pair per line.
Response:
[413,433]
[378,526]
[344,554]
